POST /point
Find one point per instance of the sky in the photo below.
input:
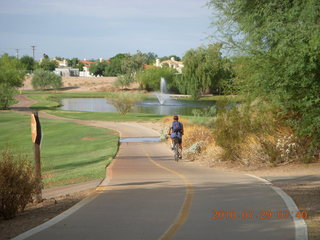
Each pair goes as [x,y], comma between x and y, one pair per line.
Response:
[92,29]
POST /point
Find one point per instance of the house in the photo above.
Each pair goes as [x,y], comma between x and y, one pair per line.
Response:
[146,66]
[86,66]
[172,63]
[67,71]
[63,69]
[62,63]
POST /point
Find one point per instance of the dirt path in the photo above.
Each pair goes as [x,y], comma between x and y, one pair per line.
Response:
[125,129]
[23,104]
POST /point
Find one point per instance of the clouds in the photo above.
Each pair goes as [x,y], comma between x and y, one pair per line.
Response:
[164,27]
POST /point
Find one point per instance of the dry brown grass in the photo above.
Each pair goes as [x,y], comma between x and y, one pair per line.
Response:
[244,138]
[81,84]
[196,134]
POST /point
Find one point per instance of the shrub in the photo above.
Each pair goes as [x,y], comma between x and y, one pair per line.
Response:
[241,123]
[255,134]
[123,102]
[48,65]
[204,116]
[6,96]
[17,184]
[122,81]
[43,80]
[149,79]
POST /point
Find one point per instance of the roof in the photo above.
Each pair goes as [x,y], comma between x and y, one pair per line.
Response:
[171,61]
[146,66]
[85,62]
[88,63]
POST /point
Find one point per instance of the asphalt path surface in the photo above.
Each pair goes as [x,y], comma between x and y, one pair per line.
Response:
[147,195]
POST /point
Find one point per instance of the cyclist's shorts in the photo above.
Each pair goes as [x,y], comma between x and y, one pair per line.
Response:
[179,140]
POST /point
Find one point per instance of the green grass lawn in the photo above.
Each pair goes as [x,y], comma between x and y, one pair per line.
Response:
[70,153]
[105,116]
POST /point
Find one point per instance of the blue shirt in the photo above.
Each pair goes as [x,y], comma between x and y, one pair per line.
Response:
[176,134]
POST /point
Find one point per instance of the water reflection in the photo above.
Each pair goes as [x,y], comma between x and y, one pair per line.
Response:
[179,107]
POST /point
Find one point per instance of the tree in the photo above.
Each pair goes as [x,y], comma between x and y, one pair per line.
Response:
[149,79]
[11,77]
[151,58]
[28,63]
[44,79]
[171,56]
[132,64]
[114,68]
[203,70]
[48,65]
[59,58]
[80,66]
[123,101]
[75,63]
[98,68]
[282,39]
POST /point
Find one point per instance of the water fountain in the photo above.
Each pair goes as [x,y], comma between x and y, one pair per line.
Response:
[163,105]
[163,95]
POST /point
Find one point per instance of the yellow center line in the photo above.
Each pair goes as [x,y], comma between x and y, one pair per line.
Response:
[184,211]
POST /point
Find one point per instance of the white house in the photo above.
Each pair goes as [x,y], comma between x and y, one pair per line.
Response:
[67,71]
[172,63]
[62,63]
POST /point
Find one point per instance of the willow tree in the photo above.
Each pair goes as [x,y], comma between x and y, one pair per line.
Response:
[203,70]
[149,78]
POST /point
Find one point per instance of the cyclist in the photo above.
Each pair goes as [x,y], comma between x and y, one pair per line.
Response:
[176,131]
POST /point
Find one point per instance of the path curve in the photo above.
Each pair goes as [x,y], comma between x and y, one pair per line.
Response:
[125,129]
[152,197]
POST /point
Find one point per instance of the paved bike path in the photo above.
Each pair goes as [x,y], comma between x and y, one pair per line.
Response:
[145,201]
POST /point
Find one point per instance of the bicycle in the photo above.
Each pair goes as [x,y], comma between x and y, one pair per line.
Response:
[176,149]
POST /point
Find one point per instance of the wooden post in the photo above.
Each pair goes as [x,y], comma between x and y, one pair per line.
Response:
[36,139]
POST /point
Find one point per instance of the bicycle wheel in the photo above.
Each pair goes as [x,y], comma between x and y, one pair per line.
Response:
[176,152]
[176,149]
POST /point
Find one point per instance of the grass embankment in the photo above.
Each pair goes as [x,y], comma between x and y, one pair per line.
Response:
[70,153]
[103,116]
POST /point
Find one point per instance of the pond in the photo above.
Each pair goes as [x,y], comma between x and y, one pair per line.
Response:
[152,106]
